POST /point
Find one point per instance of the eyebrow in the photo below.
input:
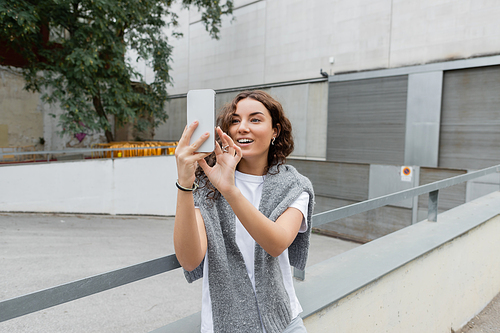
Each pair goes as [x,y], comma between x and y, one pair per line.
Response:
[251,114]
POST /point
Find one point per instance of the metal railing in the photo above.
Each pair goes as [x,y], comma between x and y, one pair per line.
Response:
[88,151]
[43,299]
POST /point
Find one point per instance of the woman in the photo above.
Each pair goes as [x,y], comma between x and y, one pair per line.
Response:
[247,222]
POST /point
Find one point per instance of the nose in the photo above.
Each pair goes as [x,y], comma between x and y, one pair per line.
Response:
[243,128]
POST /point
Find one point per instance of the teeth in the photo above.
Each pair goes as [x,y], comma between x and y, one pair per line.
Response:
[245,141]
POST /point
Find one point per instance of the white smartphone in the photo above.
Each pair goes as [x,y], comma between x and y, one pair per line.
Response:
[201,107]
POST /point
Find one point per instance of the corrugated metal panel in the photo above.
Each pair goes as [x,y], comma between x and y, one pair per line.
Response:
[367,120]
[470,119]
[365,226]
[336,180]
[449,197]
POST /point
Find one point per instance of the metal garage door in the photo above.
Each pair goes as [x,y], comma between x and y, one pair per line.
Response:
[470,119]
[367,120]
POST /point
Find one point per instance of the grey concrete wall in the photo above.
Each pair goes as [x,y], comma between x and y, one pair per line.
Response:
[26,118]
[281,40]
[21,120]
[304,104]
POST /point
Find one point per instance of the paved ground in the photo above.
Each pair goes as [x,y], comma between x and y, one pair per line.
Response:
[39,251]
[487,321]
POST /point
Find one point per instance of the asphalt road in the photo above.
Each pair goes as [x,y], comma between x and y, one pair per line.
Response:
[39,251]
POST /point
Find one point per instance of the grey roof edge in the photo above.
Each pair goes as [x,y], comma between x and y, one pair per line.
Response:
[421,68]
[333,279]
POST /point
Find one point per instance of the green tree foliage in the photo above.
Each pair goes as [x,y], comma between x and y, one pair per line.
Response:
[83,64]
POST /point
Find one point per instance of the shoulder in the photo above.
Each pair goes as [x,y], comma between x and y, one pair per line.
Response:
[291,174]
[286,177]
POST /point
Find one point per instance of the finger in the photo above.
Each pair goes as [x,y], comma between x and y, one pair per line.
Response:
[230,143]
[204,165]
[191,161]
[227,138]
[187,133]
[218,149]
[198,142]
[221,134]
[226,141]
[200,156]
[182,139]
[239,153]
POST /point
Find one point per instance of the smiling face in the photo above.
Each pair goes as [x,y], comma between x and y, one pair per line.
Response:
[252,130]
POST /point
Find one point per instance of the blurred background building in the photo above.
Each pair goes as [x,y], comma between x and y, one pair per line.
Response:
[402,83]
[370,86]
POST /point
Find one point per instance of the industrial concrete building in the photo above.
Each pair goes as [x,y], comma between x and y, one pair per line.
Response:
[403,83]
[410,83]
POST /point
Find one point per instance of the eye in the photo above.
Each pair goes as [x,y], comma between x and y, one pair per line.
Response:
[255,120]
[235,121]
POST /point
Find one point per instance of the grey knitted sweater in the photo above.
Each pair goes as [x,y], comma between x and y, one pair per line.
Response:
[235,306]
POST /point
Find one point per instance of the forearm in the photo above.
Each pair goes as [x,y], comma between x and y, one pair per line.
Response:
[273,236]
[189,234]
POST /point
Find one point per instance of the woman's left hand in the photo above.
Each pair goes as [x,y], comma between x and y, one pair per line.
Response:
[221,175]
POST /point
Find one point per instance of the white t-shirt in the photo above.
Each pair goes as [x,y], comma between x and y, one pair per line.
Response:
[251,188]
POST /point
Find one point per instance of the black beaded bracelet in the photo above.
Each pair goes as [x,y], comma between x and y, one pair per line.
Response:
[186,189]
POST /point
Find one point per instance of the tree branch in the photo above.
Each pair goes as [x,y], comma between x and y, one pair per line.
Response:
[96,100]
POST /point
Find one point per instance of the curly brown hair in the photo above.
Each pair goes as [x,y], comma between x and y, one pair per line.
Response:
[283,144]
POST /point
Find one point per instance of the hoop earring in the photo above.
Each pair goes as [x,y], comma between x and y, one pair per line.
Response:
[272,142]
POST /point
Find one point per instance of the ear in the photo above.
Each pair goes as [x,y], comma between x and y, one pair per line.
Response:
[277,130]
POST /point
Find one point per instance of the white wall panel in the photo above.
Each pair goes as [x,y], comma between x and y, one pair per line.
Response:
[237,59]
[423,117]
[144,185]
[317,120]
[283,40]
[386,179]
[180,53]
[302,35]
[427,30]
[294,102]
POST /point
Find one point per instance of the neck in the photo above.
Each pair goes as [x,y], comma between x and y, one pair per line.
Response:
[252,168]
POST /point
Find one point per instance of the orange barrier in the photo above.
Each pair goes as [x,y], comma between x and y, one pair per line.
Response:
[146,148]
[5,157]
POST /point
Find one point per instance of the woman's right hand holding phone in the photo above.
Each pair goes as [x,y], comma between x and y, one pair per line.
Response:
[190,239]
[186,156]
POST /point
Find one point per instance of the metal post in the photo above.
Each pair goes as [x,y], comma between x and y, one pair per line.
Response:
[299,274]
[432,212]
[414,206]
